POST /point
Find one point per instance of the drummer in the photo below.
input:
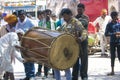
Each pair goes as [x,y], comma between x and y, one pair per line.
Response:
[9,27]
[8,51]
[72,26]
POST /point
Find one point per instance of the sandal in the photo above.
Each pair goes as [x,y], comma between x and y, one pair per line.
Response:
[111,74]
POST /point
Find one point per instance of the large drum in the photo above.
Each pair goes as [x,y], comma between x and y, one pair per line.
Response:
[53,49]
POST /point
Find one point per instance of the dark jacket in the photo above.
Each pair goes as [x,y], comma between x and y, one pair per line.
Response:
[111,30]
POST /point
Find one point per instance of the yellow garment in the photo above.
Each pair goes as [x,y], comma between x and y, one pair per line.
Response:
[10,19]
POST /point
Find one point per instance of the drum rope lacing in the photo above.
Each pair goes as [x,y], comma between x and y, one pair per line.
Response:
[30,50]
[35,39]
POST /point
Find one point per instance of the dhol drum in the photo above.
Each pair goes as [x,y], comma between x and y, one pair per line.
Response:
[53,49]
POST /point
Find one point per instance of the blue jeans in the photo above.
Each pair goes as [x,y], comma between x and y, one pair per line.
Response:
[67,74]
[29,69]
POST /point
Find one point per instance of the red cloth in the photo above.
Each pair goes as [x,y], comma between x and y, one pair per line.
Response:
[93,7]
[91,28]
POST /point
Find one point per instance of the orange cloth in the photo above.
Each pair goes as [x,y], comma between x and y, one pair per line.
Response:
[10,19]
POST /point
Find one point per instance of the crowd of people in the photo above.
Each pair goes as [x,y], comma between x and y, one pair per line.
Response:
[19,22]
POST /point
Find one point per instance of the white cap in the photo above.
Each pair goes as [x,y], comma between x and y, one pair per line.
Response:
[20,31]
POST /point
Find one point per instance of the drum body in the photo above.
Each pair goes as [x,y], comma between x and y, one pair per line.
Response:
[53,49]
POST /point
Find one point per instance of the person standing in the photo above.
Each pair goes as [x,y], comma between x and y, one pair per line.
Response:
[44,22]
[74,27]
[25,24]
[113,30]
[100,24]
[53,21]
[84,19]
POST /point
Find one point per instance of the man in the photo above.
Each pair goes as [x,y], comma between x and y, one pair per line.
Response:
[25,24]
[72,26]
[8,52]
[44,22]
[10,26]
[11,21]
[100,24]
[84,47]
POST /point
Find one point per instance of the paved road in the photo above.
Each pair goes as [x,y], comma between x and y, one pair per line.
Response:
[98,68]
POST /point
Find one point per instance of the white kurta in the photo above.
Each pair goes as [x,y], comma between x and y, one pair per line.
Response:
[8,50]
[102,26]
[102,23]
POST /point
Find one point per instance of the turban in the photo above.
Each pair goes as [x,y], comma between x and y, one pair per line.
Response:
[10,19]
[20,31]
[104,11]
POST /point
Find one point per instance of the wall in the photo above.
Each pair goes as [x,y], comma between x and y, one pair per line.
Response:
[113,5]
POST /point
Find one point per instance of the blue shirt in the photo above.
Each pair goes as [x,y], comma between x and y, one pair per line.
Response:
[111,30]
[25,25]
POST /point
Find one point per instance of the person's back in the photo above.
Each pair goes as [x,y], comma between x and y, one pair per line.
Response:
[9,27]
[6,41]
[7,52]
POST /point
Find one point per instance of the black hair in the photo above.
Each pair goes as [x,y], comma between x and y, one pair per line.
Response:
[15,13]
[48,11]
[81,5]
[65,11]
[113,14]
[21,12]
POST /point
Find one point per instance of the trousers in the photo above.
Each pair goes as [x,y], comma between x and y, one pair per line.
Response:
[29,69]
[83,67]
[67,74]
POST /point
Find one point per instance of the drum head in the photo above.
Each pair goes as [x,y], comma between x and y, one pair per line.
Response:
[64,52]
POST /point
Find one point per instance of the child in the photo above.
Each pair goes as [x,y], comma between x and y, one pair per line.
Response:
[113,30]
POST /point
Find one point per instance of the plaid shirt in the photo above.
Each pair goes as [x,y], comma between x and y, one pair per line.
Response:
[76,28]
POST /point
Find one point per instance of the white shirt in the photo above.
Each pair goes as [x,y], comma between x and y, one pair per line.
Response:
[102,23]
[8,50]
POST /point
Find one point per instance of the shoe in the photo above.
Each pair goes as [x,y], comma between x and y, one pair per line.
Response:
[26,78]
[38,74]
[45,76]
[85,78]
[104,55]
[111,74]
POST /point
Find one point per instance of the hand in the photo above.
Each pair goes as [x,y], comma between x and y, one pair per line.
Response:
[78,40]
[21,48]
[24,61]
[117,34]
